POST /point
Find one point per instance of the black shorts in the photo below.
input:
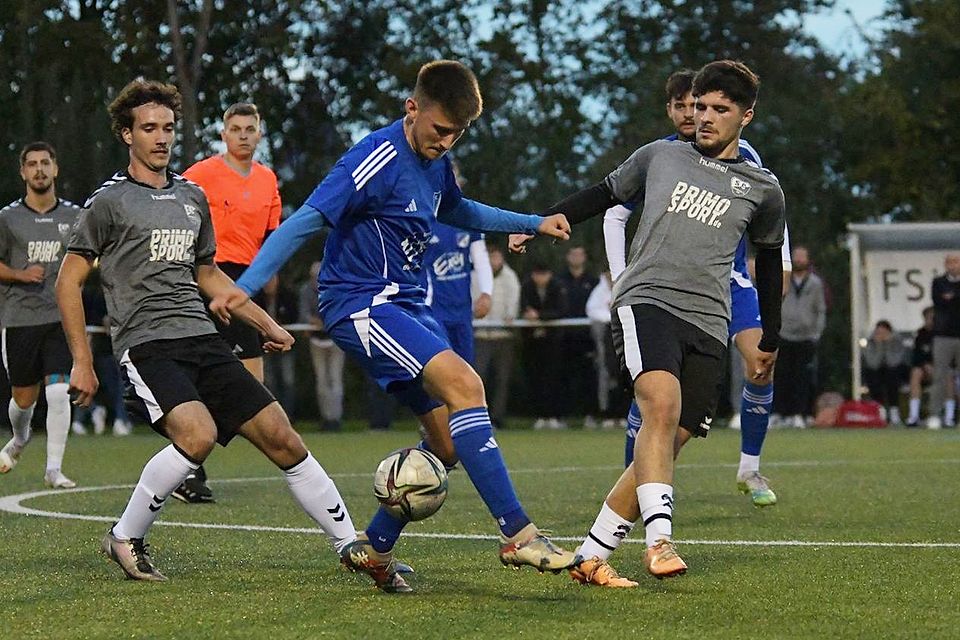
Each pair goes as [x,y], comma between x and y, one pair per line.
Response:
[163,374]
[648,338]
[32,353]
[243,340]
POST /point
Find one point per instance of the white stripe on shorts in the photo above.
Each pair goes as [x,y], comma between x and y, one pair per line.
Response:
[393,349]
[631,343]
[3,333]
[140,387]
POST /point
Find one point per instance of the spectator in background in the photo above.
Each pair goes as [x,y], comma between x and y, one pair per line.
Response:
[611,399]
[884,368]
[921,366]
[279,368]
[327,358]
[804,316]
[578,346]
[108,402]
[542,297]
[945,291]
[495,345]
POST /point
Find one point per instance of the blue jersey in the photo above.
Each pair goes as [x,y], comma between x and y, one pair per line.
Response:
[448,270]
[381,200]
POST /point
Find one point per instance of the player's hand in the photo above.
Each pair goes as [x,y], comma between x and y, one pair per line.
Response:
[224,304]
[277,339]
[31,275]
[482,306]
[555,226]
[763,366]
[517,242]
[83,384]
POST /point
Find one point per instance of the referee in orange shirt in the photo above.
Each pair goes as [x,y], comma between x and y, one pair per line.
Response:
[245,208]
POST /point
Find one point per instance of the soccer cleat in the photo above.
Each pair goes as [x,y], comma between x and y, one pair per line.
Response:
[662,560]
[531,547]
[133,557]
[360,556]
[193,490]
[10,455]
[599,572]
[55,479]
[758,488]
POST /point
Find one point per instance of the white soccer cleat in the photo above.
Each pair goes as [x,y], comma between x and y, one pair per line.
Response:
[56,480]
[934,422]
[734,422]
[10,455]
[122,428]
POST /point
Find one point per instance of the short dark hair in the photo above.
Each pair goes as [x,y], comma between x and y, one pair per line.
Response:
[39,145]
[241,109]
[734,79]
[138,93]
[679,84]
[885,324]
[451,85]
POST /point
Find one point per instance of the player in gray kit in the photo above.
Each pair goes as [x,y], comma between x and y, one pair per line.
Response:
[152,233]
[33,233]
[671,306]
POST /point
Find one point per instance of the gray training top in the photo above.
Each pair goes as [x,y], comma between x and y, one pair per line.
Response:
[149,242]
[694,212]
[28,237]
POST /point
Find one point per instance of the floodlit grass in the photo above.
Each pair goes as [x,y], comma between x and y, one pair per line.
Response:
[890,486]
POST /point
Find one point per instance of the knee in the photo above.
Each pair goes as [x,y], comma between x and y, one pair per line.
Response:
[467,386]
[198,443]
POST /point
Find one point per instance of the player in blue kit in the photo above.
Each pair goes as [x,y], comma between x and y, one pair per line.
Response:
[745,329]
[381,200]
[452,256]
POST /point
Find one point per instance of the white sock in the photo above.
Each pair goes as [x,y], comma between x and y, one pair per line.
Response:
[748,464]
[914,410]
[20,421]
[606,534]
[949,411]
[58,423]
[656,510]
[161,475]
[319,497]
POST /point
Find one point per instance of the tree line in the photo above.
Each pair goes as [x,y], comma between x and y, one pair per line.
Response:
[570,89]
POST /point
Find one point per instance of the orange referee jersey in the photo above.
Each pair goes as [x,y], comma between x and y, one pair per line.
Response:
[243,208]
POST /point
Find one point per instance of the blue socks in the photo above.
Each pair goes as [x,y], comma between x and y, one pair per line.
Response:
[634,421]
[755,417]
[480,456]
[384,530]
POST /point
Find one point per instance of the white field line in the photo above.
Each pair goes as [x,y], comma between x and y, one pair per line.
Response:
[12,504]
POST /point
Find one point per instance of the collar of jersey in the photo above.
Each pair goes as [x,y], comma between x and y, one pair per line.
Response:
[23,201]
[126,174]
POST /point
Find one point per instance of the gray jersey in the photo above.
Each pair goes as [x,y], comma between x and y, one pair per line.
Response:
[28,238]
[694,212]
[149,242]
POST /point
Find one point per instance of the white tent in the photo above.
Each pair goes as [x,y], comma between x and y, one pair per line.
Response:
[891,267]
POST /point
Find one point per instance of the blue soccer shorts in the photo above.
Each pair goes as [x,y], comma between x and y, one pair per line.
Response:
[744,308]
[393,342]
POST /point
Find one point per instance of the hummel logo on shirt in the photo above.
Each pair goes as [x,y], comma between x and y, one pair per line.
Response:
[412,206]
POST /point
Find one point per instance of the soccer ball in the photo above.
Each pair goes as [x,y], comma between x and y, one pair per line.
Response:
[410,483]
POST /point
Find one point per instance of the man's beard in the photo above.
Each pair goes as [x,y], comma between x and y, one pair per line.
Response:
[42,190]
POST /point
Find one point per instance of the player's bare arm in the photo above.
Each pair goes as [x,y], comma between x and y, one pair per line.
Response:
[227,300]
[73,273]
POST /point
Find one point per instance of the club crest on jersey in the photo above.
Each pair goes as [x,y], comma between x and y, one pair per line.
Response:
[437,195]
[738,186]
[193,214]
[63,228]
[463,240]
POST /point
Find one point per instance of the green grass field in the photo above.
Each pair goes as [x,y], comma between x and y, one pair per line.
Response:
[868,489]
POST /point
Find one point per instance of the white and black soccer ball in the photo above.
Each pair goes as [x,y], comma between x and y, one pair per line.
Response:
[411,483]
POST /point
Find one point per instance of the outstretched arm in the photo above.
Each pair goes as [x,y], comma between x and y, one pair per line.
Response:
[278,248]
[476,216]
[227,301]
